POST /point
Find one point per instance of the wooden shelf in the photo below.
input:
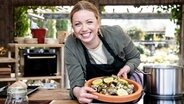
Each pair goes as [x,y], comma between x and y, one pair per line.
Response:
[16,47]
[7,60]
[35,45]
[4,60]
[40,77]
[7,79]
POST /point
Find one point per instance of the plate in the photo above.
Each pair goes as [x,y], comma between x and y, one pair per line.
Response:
[30,90]
[119,99]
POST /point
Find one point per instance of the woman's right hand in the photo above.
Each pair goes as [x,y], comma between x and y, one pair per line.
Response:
[83,94]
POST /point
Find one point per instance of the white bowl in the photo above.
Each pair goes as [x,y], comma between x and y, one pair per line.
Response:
[31,40]
[19,40]
[51,41]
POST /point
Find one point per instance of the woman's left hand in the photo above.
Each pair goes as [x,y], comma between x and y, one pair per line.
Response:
[124,71]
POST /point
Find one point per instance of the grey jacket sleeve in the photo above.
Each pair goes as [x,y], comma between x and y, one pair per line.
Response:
[131,53]
[73,64]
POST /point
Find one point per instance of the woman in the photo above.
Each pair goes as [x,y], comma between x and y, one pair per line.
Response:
[94,50]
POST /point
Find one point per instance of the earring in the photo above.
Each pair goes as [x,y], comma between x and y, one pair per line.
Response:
[100,32]
[73,35]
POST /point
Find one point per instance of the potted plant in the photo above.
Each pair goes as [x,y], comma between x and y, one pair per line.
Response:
[21,23]
[62,27]
[39,33]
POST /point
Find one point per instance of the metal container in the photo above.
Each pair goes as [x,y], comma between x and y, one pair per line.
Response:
[163,80]
[153,100]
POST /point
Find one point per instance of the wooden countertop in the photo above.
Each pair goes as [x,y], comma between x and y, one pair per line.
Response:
[63,102]
[55,96]
[44,96]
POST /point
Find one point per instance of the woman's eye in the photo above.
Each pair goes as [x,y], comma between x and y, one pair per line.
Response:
[90,22]
[77,24]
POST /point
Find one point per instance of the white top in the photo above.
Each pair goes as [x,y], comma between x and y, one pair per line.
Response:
[98,54]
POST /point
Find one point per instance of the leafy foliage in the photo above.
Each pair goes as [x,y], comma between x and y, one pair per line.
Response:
[176,12]
[135,33]
[21,18]
[62,25]
[21,21]
[176,17]
[50,25]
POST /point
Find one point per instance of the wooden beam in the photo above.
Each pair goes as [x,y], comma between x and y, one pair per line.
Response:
[114,16]
[100,2]
[140,2]
[135,16]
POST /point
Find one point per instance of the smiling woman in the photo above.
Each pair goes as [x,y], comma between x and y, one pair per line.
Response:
[7,21]
[96,51]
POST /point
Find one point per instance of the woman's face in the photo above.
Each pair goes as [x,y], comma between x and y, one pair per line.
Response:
[85,26]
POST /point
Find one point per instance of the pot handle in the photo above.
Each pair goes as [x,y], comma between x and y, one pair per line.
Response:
[140,71]
[137,71]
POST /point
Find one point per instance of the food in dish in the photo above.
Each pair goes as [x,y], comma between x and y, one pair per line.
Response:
[112,85]
[137,90]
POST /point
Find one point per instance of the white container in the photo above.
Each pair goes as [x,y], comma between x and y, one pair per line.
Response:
[51,41]
[31,40]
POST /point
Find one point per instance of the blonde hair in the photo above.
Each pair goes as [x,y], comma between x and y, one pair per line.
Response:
[85,5]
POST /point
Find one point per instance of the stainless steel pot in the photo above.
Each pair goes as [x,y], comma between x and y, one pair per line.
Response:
[163,79]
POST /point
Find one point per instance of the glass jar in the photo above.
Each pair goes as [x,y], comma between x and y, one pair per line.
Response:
[16,95]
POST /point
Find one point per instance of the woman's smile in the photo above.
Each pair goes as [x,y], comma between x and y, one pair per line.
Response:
[86,35]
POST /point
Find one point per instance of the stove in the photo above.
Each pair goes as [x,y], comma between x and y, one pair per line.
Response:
[150,99]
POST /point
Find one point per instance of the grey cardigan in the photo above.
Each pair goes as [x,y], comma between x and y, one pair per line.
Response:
[120,43]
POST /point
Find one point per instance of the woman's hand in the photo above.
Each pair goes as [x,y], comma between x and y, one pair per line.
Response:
[124,71]
[84,95]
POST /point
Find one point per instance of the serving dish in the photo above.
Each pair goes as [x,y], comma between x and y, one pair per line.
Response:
[118,99]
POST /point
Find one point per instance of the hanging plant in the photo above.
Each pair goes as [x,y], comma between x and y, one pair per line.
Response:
[176,17]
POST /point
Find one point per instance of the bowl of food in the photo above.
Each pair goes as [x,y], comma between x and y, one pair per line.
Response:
[113,89]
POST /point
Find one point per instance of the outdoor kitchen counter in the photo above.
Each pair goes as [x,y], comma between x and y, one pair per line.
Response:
[56,96]
[45,96]
[61,96]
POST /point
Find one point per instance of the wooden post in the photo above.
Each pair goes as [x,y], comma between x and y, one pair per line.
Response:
[182,39]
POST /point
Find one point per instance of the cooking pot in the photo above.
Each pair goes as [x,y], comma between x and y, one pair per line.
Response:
[153,100]
[163,80]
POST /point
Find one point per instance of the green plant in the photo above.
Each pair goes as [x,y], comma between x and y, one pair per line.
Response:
[62,25]
[176,17]
[176,12]
[21,21]
[50,25]
[135,33]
